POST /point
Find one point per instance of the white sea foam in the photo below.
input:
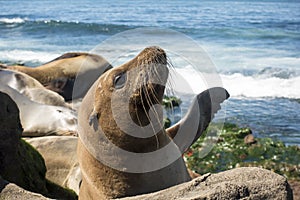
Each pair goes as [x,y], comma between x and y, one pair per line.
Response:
[239,85]
[27,56]
[15,20]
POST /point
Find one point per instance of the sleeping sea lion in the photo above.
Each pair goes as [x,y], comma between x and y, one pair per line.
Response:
[31,88]
[59,74]
[40,119]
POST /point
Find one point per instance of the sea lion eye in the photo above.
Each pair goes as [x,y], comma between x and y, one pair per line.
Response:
[120,80]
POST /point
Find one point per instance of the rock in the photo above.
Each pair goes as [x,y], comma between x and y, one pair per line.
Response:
[60,157]
[249,139]
[240,183]
[19,162]
[10,191]
[10,125]
[295,185]
[243,132]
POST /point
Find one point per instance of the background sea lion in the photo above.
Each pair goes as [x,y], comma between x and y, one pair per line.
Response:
[105,125]
[31,88]
[39,119]
[59,74]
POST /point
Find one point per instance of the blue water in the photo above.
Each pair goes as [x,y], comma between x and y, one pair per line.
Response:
[255,46]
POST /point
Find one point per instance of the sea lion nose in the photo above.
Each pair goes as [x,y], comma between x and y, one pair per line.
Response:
[156,54]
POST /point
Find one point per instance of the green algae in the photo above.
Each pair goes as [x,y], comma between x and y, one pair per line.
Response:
[170,102]
[228,149]
[231,151]
[28,170]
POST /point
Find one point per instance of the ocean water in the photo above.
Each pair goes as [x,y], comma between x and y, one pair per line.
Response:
[254,46]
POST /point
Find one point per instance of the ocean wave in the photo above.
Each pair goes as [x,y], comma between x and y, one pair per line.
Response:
[283,73]
[239,85]
[268,83]
[40,27]
[244,86]
[14,20]
[24,56]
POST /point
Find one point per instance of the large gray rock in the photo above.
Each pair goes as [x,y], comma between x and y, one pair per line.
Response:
[10,191]
[19,162]
[21,165]
[60,157]
[240,183]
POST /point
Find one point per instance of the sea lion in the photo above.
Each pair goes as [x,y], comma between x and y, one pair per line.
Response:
[31,88]
[40,119]
[60,74]
[120,131]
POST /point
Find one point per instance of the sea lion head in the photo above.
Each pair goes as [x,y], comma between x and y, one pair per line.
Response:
[127,99]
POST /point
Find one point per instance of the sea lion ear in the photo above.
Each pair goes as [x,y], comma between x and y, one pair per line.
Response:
[208,103]
[93,119]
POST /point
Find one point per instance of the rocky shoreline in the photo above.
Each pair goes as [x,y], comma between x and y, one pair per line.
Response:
[23,172]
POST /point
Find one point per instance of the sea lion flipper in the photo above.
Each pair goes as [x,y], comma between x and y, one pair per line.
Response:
[208,103]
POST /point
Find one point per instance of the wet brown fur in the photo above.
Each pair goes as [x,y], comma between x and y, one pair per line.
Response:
[67,65]
[103,182]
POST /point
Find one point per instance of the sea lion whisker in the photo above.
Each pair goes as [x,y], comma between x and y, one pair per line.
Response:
[155,98]
[149,101]
[169,90]
[151,88]
[147,115]
[156,74]
[171,78]
[136,111]
[169,63]
[144,89]
[143,105]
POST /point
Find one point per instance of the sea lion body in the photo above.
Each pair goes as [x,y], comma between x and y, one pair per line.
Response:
[31,88]
[70,70]
[40,119]
[102,181]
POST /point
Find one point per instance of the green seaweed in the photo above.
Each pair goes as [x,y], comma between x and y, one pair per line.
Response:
[230,151]
[28,170]
[171,102]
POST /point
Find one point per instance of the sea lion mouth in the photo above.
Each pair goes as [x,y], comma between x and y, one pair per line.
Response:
[150,73]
